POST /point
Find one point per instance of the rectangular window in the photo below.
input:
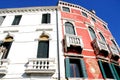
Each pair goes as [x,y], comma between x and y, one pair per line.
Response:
[16,20]
[2,19]
[75,68]
[106,69]
[43,49]
[4,49]
[84,14]
[66,9]
[46,18]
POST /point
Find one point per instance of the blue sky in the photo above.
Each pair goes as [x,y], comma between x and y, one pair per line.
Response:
[108,10]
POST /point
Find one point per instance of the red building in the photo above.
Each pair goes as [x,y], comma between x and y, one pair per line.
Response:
[90,50]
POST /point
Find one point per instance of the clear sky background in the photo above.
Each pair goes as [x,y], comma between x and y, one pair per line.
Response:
[108,10]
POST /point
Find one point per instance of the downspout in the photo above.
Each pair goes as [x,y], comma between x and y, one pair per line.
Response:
[58,59]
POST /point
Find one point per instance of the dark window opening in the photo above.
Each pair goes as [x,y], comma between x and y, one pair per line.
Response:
[76,49]
[75,68]
[2,19]
[16,20]
[43,49]
[84,14]
[106,71]
[46,18]
[4,49]
[117,69]
[66,9]
[93,19]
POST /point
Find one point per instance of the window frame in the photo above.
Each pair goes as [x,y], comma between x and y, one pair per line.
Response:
[84,14]
[17,20]
[73,27]
[46,18]
[66,9]
[82,68]
[1,21]
[91,33]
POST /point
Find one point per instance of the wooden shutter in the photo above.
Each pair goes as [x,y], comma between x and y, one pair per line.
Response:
[67,67]
[83,68]
[116,74]
[112,71]
[102,69]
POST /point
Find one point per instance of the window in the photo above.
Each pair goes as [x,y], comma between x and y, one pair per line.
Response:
[75,68]
[105,26]
[5,47]
[102,37]
[2,19]
[93,19]
[16,20]
[92,33]
[106,69]
[84,14]
[46,18]
[116,69]
[69,28]
[66,9]
[43,47]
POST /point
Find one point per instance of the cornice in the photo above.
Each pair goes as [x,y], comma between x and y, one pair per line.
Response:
[82,8]
[27,9]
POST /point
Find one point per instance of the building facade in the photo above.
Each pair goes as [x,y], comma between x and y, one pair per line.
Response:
[63,42]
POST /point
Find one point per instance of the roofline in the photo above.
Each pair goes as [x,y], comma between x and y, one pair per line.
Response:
[82,8]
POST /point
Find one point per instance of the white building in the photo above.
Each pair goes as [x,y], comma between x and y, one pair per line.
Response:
[29,43]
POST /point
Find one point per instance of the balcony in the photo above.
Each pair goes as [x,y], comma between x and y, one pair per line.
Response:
[114,53]
[3,66]
[40,66]
[73,40]
[100,47]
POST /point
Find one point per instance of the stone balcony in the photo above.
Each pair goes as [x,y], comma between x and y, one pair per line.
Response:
[100,47]
[3,66]
[40,66]
[73,40]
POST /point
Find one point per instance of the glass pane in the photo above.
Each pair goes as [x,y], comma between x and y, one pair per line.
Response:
[102,37]
[46,18]
[66,9]
[92,33]
[69,28]
[43,49]
[16,20]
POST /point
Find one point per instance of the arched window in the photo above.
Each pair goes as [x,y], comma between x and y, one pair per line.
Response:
[92,33]
[114,44]
[102,37]
[5,46]
[69,28]
[43,46]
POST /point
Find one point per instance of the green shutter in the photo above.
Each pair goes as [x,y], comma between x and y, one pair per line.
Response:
[67,67]
[112,70]
[83,68]
[102,69]
[116,74]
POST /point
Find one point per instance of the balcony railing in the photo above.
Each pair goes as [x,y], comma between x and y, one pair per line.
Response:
[114,50]
[41,66]
[100,45]
[3,66]
[73,40]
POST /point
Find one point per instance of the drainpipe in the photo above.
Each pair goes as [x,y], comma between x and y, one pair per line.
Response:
[58,59]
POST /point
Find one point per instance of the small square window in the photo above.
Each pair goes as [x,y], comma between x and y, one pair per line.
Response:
[105,26]
[66,9]
[93,19]
[84,14]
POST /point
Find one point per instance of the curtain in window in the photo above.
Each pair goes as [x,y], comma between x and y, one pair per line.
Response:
[69,28]
[43,49]
[92,33]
